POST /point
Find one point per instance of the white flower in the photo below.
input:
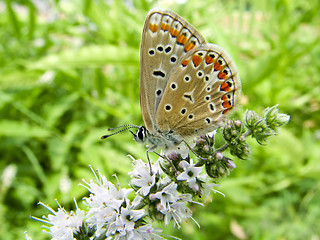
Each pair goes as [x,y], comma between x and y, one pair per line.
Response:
[141,177]
[145,232]
[104,202]
[64,224]
[190,174]
[177,212]
[166,196]
[207,188]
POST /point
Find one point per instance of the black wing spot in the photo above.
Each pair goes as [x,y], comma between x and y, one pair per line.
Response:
[151,52]
[159,74]
[200,73]
[173,86]
[188,97]
[211,106]
[173,59]
[168,107]
[187,78]
[168,49]
[183,111]
[190,116]
[160,48]
[158,92]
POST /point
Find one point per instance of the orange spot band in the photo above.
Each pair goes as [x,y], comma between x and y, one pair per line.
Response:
[153,27]
[225,87]
[185,62]
[196,59]
[209,60]
[224,98]
[226,104]
[222,75]
[189,46]
[174,32]
[217,66]
[165,27]
[182,39]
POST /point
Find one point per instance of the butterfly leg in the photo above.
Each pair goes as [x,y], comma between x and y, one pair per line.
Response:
[151,149]
[197,155]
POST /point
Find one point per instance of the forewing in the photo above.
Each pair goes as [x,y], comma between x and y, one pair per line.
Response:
[201,90]
[166,38]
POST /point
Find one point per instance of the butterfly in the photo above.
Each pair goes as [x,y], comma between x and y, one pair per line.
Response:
[187,86]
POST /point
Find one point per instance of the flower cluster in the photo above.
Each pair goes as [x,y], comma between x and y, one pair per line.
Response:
[163,192]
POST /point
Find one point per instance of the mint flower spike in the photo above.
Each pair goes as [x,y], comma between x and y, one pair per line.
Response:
[274,119]
[262,128]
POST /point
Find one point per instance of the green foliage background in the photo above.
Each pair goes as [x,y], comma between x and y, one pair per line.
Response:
[70,69]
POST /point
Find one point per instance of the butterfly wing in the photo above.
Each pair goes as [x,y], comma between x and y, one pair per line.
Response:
[202,88]
[166,38]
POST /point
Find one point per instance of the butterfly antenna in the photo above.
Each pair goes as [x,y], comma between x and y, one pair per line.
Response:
[128,126]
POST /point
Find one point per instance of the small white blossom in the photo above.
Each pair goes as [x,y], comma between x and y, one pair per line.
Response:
[190,173]
[104,202]
[178,211]
[63,224]
[167,195]
[141,177]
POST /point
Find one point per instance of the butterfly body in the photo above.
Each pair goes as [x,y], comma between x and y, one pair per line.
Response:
[157,139]
[187,86]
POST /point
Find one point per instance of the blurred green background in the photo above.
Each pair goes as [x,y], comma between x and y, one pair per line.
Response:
[70,69]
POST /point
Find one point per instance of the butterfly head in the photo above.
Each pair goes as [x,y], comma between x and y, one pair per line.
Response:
[141,134]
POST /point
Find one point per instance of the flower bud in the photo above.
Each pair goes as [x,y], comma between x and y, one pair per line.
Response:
[231,164]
